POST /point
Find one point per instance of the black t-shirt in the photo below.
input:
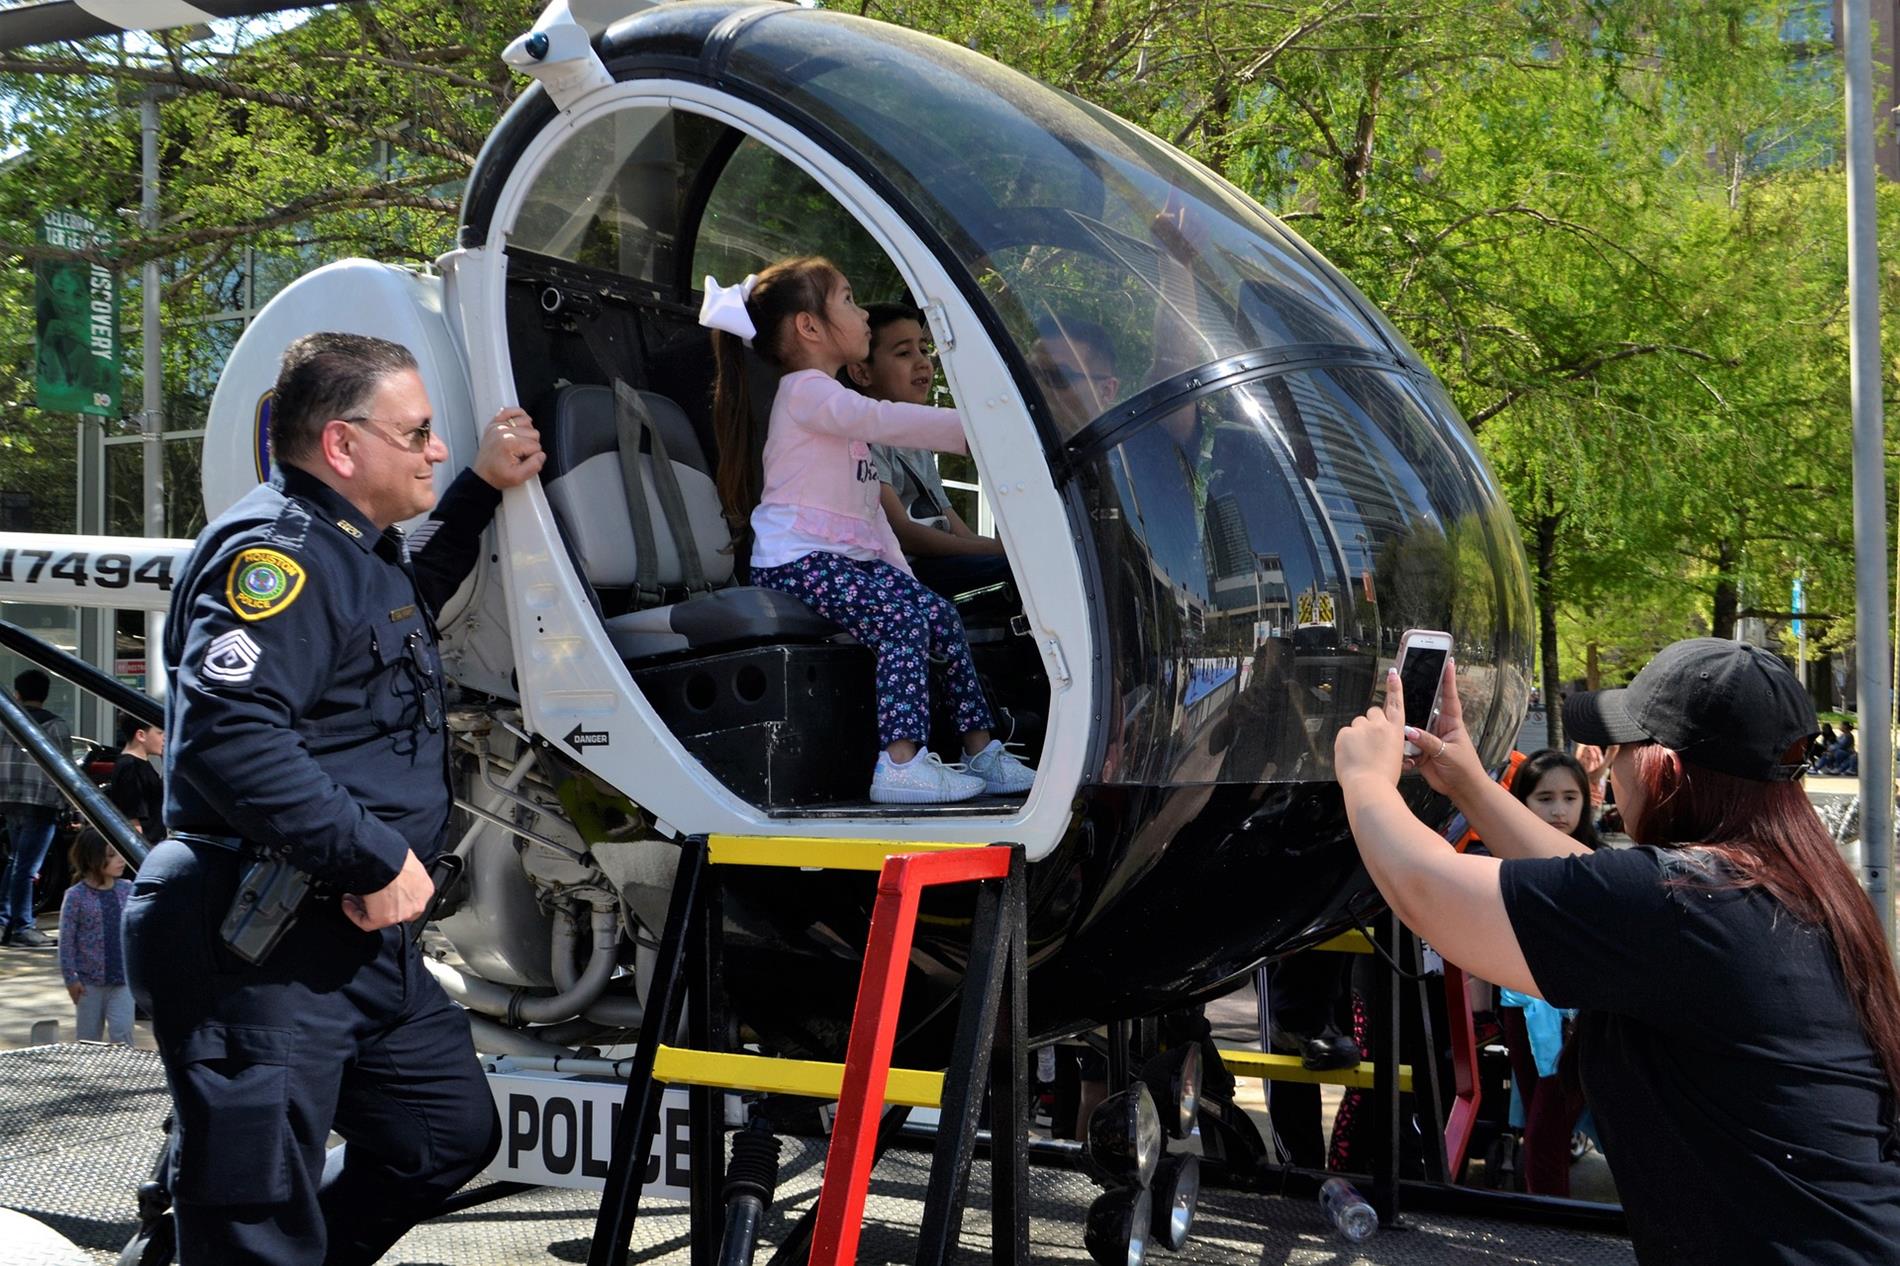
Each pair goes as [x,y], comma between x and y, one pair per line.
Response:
[1741,1108]
[139,793]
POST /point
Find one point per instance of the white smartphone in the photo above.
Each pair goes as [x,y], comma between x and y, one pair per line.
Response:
[1422,656]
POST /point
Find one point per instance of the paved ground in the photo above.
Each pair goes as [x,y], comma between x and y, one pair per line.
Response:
[34,1007]
[70,1152]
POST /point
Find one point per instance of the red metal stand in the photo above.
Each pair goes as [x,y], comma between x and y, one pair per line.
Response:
[867,1063]
[1467,1093]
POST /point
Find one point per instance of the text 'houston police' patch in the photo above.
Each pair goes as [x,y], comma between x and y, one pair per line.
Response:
[231,658]
[262,583]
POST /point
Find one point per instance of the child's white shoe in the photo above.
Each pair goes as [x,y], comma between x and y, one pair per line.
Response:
[922,780]
[1002,774]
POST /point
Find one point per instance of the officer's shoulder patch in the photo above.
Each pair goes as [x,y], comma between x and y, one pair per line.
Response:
[262,582]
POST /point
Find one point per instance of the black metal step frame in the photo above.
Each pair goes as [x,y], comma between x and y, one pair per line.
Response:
[990,1045]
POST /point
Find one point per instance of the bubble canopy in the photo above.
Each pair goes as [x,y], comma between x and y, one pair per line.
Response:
[1266,484]
[1059,210]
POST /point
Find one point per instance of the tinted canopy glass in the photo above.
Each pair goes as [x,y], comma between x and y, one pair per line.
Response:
[1262,550]
[1061,211]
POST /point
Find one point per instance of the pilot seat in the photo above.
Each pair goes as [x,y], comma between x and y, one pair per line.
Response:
[774,700]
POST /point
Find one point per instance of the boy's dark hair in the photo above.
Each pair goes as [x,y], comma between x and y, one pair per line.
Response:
[32,686]
[323,376]
[1533,771]
[129,727]
[879,315]
[802,283]
[88,853]
[1080,332]
[885,312]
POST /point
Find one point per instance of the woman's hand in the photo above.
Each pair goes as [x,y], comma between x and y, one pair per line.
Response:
[75,990]
[1371,751]
[1446,756]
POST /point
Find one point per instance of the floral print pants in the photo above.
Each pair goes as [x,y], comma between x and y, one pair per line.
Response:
[905,624]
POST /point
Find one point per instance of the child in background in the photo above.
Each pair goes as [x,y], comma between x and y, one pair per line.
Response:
[90,956]
[819,532]
[941,548]
[1557,789]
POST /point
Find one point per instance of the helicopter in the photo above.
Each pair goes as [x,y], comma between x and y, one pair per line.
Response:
[1212,562]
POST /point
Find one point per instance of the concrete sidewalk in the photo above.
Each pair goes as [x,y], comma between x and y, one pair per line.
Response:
[33,996]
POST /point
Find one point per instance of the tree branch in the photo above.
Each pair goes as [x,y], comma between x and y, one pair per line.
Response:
[463,153]
[379,197]
[1252,70]
[1583,369]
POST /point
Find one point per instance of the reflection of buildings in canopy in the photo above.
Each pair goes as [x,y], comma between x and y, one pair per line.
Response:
[1275,532]
[1161,487]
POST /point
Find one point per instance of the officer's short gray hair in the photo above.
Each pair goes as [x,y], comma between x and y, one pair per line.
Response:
[324,376]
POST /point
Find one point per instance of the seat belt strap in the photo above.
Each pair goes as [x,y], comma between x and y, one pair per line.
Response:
[630,420]
[666,483]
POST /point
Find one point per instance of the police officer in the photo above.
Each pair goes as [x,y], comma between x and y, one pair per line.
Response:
[306,722]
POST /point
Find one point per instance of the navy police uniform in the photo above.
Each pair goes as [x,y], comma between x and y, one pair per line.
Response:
[306,717]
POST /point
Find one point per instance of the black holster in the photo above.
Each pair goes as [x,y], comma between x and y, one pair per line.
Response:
[268,899]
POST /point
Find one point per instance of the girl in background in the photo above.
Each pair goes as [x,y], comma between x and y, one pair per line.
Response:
[818,531]
[1557,789]
[90,956]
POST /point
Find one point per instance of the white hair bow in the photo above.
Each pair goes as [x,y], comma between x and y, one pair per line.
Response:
[724,308]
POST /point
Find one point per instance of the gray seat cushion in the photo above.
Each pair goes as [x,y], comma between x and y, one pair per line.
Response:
[722,617]
[589,494]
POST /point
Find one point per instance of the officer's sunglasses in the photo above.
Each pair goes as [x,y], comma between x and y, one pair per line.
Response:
[411,441]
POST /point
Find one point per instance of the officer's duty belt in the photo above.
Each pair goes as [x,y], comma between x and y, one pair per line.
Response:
[249,851]
[230,843]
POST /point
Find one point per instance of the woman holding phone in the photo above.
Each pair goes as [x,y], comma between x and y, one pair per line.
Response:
[1739,1026]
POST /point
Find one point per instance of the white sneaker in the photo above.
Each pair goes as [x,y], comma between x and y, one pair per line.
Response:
[1002,774]
[922,780]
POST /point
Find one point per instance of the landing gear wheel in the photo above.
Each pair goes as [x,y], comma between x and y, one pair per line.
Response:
[154,1244]
[1232,1152]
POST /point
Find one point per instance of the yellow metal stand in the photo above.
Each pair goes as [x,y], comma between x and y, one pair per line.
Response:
[1245,1063]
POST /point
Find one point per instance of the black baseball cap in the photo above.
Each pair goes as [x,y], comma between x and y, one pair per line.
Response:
[1722,705]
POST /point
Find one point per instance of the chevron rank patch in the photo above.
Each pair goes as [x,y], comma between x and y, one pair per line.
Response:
[262,583]
[231,658]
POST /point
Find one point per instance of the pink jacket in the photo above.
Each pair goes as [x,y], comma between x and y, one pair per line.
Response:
[818,457]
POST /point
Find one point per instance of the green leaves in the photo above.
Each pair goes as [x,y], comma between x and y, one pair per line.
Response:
[1612,229]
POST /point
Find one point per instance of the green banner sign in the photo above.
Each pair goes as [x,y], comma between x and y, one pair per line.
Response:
[76,317]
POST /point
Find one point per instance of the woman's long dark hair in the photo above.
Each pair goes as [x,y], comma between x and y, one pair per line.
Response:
[1771,838]
[801,284]
[1537,766]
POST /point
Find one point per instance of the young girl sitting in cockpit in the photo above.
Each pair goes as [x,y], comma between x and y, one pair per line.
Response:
[819,532]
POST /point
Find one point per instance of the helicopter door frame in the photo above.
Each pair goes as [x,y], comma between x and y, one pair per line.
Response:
[577,692]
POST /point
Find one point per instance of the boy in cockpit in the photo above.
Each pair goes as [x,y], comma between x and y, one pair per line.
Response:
[943,551]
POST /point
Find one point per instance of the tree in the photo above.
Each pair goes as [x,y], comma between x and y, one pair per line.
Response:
[1612,230]
[348,134]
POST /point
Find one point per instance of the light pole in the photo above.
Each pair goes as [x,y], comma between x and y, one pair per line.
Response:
[152,415]
[1872,689]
